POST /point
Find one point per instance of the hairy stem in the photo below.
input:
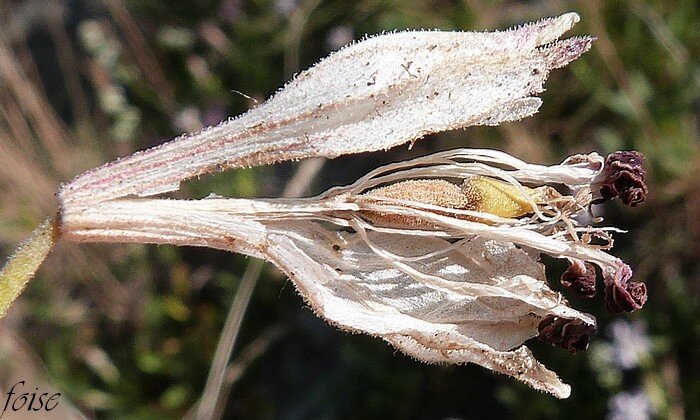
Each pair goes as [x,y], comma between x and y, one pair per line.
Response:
[22,265]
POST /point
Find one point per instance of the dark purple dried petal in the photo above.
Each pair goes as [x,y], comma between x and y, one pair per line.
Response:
[580,278]
[621,295]
[623,176]
[570,334]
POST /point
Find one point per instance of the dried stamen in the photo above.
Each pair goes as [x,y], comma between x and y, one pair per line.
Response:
[417,195]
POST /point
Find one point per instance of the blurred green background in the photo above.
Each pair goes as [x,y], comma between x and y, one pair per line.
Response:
[127,331]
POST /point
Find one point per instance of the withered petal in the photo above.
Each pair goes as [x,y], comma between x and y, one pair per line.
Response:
[621,295]
[570,334]
[623,176]
[580,278]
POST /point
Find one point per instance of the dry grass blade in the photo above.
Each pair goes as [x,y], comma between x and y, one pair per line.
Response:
[216,387]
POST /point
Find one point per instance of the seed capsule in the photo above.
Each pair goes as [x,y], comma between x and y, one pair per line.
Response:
[477,193]
[497,197]
[437,192]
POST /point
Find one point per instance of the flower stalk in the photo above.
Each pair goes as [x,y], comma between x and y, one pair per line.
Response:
[22,265]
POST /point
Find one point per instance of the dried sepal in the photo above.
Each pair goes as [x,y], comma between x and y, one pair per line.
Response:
[372,95]
[408,254]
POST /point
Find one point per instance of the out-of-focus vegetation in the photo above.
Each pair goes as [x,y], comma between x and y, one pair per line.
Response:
[129,331]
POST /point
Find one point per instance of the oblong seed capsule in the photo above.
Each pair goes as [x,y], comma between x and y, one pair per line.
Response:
[498,197]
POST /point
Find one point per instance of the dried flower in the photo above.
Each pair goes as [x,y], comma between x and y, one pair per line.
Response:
[437,255]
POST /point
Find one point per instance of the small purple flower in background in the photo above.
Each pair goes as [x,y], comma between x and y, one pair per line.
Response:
[633,405]
[628,348]
[285,7]
[631,344]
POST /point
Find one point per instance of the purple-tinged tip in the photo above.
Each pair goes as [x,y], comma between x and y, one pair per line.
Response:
[623,176]
[570,334]
[561,53]
[622,295]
